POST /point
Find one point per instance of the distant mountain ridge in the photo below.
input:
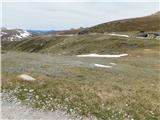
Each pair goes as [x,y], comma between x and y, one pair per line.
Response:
[41,32]
[20,34]
[146,23]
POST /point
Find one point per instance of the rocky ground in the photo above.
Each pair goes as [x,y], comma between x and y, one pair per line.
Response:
[14,109]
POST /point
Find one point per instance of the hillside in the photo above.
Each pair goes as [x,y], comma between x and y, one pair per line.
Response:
[68,32]
[147,23]
[79,44]
[58,43]
[128,88]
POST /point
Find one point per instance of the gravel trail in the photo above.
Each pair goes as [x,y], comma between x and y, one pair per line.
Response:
[11,109]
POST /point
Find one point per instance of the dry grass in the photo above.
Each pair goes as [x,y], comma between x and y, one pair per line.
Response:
[80,44]
[130,90]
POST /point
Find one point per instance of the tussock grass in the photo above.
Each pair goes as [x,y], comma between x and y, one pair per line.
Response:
[130,90]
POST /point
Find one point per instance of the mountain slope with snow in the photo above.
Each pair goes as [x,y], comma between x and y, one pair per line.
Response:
[14,34]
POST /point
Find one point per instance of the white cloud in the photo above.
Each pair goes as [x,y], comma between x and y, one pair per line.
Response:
[39,15]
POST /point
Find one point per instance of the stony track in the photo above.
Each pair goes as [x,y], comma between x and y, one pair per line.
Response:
[14,110]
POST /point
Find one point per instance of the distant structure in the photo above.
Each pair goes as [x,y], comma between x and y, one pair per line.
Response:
[143,34]
[157,34]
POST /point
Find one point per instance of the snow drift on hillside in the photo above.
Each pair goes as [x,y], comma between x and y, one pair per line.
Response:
[102,66]
[108,56]
[13,34]
[120,35]
[24,33]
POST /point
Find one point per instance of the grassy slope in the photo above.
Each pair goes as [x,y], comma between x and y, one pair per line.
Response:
[80,44]
[147,23]
[130,90]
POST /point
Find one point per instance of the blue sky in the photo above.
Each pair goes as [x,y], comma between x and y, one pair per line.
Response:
[60,15]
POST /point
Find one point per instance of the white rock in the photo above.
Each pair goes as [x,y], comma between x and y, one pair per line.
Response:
[26,77]
[113,63]
[31,90]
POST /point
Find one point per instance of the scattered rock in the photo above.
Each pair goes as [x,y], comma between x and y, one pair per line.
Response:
[26,77]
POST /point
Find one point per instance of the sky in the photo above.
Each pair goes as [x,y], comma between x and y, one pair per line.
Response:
[67,14]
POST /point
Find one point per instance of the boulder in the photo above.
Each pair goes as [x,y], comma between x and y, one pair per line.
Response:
[26,77]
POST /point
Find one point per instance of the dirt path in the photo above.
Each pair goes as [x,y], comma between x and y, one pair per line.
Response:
[15,110]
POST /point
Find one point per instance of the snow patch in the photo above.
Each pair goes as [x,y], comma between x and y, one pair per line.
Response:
[2,33]
[11,38]
[107,56]
[25,34]
[121,35]
[17,36]
[103,66]
[113,63]
[26,77]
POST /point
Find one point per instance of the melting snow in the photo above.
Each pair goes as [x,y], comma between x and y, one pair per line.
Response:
[113,34]
[11,39]
[18,36]
[97,55]
[113,63]
[2,33]
[104,66]
[25,34]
